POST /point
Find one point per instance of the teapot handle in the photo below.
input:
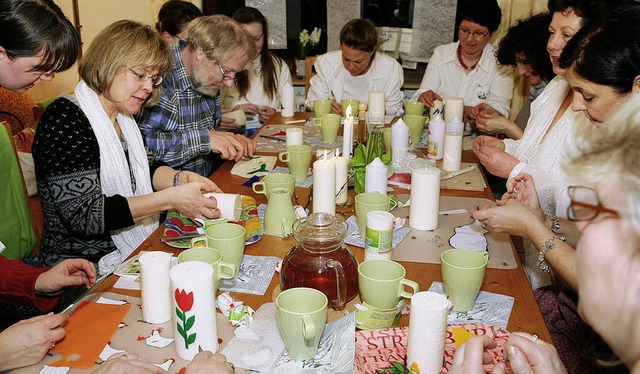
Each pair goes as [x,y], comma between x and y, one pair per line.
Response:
[341,284]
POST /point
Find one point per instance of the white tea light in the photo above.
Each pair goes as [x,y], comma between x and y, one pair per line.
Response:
[155,286]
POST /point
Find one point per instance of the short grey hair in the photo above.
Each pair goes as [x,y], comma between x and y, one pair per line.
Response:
[220,37]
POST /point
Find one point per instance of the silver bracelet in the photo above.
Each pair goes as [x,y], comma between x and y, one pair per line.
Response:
[555,224]
[546,247]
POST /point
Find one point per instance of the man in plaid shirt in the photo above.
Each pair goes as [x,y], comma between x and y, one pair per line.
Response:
[183,128]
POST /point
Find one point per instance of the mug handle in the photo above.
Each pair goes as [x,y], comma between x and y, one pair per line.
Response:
[284,156]
[318,120]
[263,191]
[285,227]
[410,283]
[226,270]
[485,254]
[341,284]
[198,239]
[308,327]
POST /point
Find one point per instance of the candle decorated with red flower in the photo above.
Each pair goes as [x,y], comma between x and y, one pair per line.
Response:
[194,311]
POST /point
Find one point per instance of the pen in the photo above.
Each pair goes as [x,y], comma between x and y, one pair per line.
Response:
[272,138]
[295,121]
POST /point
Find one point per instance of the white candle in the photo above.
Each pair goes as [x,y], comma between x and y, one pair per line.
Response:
[399,141]
[342,170]
[193,307]
[288,101]
[425,199]
[294,136]
[324,186]
[376,107]
[455,125]
[155,286]
[437,108]
[437,129]
[379,237]
[453,108]
[347,135]
[452,151]
[427,331]
[375,179]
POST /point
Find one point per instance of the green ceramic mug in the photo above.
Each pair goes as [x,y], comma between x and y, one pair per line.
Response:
[382,283]
[299,159]
[414,108]
[301,314]
[367,202]
[329,126]
[386,136]
[229,239]
[354,106]
[213,257]
[462,274]
[321,106]
[416,125]
[275,180]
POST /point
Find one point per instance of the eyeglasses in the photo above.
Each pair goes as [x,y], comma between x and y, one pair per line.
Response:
[225,77]
[156,80]
[585,205]
[476,34]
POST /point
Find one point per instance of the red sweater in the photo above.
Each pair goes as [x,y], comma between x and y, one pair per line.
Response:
[18,282]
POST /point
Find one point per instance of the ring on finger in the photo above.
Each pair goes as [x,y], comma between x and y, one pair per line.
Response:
[231,366]
[535,338]
[52,345]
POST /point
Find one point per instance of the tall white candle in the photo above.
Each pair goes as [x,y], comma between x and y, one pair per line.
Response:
[453,108]
[155,286]
[294,136]
[452,151]
[347,135]
[379,237]
[342,176]
[427,331]
[437,129]
[375,179]
[425,199]
[376,107]
[288,101]
[455,125]
[194,312]
[399,141]
[324,186]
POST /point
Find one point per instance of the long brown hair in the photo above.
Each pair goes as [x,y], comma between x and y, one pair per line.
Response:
[247,15]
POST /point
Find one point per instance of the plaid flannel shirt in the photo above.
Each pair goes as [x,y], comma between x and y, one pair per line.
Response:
[176,130]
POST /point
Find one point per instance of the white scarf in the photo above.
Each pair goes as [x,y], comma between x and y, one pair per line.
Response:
[115,177]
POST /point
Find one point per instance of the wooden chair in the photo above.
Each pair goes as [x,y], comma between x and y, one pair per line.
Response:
[309,61]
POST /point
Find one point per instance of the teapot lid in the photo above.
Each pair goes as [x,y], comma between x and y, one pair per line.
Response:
[320,229]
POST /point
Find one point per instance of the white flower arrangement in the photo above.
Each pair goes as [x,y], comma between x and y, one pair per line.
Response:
[309,41]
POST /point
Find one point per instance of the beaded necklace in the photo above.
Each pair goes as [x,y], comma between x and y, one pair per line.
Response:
[464,66]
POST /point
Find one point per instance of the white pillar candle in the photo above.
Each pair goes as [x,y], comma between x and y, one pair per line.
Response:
[437,129]
[427,331]
[453,108]
[324,186]
[342,177]
[347,135]
[155,286]
[399,141]
[452,151]
[375,178]
[294,136]
[455,125]
[376,109]
[288,101]
[379,237]
[194,297]
[425,199]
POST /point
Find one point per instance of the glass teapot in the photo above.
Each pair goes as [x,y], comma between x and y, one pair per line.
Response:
[320,259]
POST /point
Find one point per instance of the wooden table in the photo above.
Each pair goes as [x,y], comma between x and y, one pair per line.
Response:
[525,315]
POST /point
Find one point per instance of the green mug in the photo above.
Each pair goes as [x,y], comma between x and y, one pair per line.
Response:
[275,180]
[229,239]
[213,257]
[462,274]
[354,106]
[302,314]
[414,108]
[329,126]
[386,136]
[382,282]
[279,216]
[367,202]
[321,106]
[416,125]
[299,159]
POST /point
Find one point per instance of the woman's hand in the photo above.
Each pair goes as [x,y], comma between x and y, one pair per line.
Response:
[522,189]
[68,273]
[470,357]
[209,363]
[494,159]
[487,141]
[189,176]
[428,97]
[27,341]
[250,110]
[528,354]
[512,218]
[128,363]
[188,200]
[265,112]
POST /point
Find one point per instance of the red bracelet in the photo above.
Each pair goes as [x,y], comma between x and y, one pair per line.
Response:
[176,178]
